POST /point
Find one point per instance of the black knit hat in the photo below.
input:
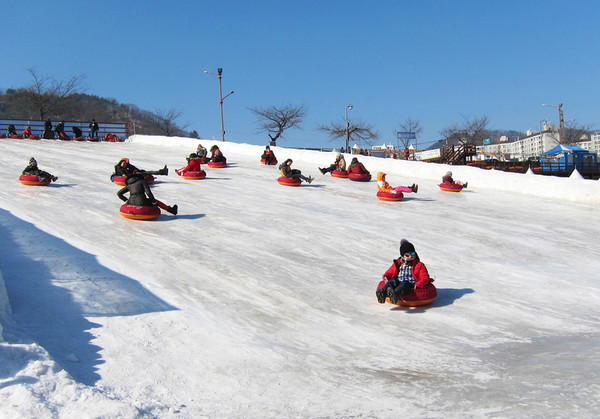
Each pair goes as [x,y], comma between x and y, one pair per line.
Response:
[406,247]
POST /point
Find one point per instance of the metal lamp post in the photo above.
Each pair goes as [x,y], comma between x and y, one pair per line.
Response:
[347,127]
[221,98]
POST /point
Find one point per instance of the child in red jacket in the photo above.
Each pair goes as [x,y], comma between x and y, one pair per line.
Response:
[406,273]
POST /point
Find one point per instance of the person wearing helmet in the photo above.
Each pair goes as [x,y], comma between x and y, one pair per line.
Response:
[33,170]
[447,179]
[383,186]
[338,164]
[406,273]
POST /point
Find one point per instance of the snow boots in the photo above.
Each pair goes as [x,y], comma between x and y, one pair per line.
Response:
[414,188]
[164,171]
[310,179]
[172,210]
[54,178]
[322,170]
[381,294]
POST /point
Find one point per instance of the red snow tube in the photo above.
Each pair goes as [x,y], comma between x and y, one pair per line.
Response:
[217,164]
[34,180]
[194,175]
[360,177]
[140,212]
[388,196]
[78,139]
[120,180]
[288,181]
[451,187]
[339,173]
[92,139]
[2,136]
[33,137]
[272,162]
[16,137]
[417,297]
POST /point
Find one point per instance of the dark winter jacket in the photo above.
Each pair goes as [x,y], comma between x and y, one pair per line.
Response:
[127,169]
[77,132]
[60,128]
[33,169]
[139,191]
[217,156]
[419,272]
[285,169]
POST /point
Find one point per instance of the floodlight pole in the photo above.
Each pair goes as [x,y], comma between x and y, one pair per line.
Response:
[561,119]
[347,127]
[221,98]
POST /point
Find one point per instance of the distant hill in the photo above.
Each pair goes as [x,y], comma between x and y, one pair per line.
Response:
[83,107]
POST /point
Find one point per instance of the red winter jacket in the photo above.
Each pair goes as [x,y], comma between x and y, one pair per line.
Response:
[193,166]
[419,272]
[358,169]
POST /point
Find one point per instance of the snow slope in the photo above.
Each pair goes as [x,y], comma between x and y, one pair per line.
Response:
[257,300]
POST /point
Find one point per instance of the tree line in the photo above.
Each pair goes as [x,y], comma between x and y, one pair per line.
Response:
[46,97]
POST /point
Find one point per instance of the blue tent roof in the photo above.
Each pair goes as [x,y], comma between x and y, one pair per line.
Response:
[568,148]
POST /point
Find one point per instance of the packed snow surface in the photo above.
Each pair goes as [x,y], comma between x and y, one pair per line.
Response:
[258,300]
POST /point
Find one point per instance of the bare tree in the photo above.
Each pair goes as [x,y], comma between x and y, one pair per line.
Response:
[574,133]
[358,131]
[410,125]
[472,130]
[276,119]
[50,96]
[166,124]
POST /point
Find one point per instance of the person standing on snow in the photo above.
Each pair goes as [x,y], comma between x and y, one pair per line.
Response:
[406,273]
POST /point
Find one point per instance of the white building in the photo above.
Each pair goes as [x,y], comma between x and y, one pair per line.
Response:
[593,145]
[532,145]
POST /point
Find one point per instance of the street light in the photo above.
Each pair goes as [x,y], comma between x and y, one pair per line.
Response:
[221,98]
[347,127]
[561,119]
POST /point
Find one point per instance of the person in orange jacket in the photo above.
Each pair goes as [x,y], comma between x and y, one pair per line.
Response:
[406,273]
[383,186]
[27,132]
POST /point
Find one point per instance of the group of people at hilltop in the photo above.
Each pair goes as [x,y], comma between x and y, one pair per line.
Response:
[51,133]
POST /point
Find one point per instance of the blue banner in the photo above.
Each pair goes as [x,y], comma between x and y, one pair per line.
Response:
[406,135]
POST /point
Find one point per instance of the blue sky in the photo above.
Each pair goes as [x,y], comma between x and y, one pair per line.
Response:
[432,61]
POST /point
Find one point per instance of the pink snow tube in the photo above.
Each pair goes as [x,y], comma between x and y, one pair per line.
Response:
[387,196]
[34,180]
[339,173]
[288,181]
[217,164]
[194,175]
[140,212]
[120,180]
[360,177]
[451,187]
[417,297]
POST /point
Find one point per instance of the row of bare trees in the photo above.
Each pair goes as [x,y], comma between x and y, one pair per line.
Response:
[47,97]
